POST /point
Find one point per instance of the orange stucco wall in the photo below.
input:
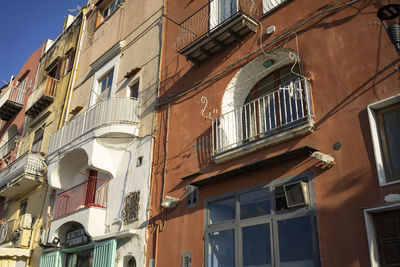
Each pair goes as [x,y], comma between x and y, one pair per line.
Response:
[352,64]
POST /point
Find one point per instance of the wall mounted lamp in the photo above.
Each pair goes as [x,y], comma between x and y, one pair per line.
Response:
[390,18]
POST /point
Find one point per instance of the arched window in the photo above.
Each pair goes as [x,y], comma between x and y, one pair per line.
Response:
[274,103]
[131,262]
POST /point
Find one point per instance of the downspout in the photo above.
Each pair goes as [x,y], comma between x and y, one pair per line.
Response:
[71,82]
[155,252]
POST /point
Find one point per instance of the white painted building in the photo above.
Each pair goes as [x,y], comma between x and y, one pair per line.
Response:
[99,161]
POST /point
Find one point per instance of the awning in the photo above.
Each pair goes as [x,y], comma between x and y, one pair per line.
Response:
[296,153]
[15,252]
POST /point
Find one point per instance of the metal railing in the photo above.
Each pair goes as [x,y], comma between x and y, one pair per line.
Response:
[9,146]
[285,108]
[12,93]
[92,193]
[210,17]
[113,110]
[30,163]
[47,87]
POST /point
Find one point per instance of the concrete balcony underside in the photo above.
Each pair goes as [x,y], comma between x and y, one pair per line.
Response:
[22,175]
[11,102]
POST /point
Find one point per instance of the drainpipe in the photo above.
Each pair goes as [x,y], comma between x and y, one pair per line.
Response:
[71,81]
[155,249]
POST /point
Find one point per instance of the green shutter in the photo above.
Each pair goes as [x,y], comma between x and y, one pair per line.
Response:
[104,253]
[51,259]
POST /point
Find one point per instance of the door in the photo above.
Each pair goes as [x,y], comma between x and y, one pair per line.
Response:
[221,10]
[388,236]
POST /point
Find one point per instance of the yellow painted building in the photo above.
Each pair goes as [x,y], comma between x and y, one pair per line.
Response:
[29,199]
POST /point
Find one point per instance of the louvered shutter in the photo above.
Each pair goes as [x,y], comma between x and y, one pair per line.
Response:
[104,253]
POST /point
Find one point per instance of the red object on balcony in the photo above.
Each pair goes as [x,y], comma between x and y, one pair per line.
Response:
[92,193]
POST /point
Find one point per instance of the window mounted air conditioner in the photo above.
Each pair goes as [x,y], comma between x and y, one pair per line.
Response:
[21,238]
[297,194]
[25,221]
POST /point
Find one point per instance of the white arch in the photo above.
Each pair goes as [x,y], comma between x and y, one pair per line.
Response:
[240,86]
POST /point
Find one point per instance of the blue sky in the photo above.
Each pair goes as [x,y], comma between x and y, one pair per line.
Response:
[24,26]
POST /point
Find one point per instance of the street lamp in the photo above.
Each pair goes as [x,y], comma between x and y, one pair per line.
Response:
[390,18]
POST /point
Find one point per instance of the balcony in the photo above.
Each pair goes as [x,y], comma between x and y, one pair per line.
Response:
[272,118]
[85,204]
[23,174]
[92,193]
[9,146]
[107,112]
[11,102]
[42,97]
[214,26]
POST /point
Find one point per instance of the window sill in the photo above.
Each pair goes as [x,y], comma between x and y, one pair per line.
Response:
[261,143]
[389,183]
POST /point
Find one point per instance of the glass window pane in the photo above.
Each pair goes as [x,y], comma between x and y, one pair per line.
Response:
[110,79]
[255,203]
[295,242]
[392,130]
[103,85]
[221,249]
[256,246]
[222,210]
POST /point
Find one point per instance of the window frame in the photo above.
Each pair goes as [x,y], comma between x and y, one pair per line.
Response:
[272,219]
[373,117]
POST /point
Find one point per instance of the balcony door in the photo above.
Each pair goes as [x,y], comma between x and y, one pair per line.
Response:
[221,10]
[277,101]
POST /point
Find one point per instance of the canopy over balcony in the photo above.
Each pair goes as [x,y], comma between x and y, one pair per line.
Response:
[214,26]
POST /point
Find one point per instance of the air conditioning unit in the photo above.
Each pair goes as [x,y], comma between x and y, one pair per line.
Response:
[44,233]
[297,194]
[21,238]
[25,221]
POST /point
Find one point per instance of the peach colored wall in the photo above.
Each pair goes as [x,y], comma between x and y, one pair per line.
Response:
[30,65]
[352,64]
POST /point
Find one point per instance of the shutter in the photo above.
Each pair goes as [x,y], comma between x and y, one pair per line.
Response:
[51,259]
[104,253]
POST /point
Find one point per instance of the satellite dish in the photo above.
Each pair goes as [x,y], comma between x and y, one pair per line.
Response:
[3,232]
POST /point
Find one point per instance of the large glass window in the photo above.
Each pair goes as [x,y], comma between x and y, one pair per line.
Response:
[257,228]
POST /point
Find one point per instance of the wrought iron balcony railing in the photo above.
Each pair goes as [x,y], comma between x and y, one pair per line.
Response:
[92,193]
[113,110]
[278,111]
[216,25]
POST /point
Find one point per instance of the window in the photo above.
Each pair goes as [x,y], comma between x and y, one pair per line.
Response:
[255,227]
[192,196]
[82,258]
[105,85]
[38,139]
[107,11]
[131,207]
[269,5]
[131,262]
[187,259]
[22,209]
[384,118]
[69,62]
[134,90]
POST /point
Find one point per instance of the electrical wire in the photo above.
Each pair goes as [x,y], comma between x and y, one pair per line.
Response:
[287,33]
